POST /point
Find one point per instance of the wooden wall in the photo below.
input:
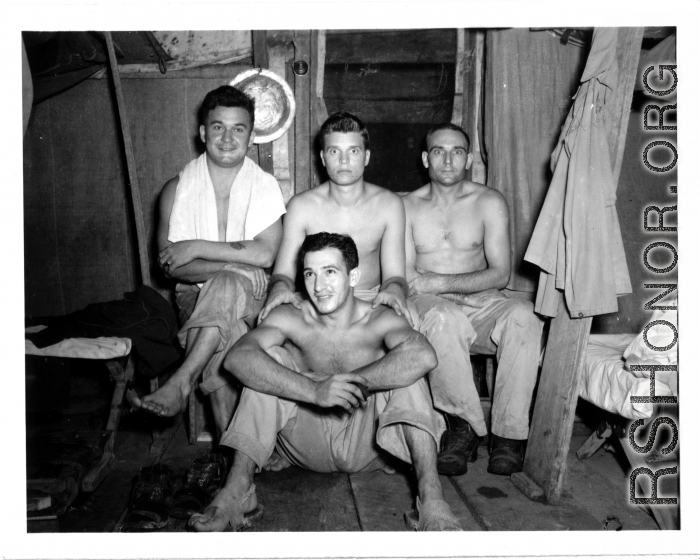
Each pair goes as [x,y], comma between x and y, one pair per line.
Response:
[78,227]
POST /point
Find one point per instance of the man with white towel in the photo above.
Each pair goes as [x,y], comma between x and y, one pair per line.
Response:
[220,228]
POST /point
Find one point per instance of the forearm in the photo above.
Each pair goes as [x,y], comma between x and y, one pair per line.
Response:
[196,271]
[258,371]
[253,252]
[465,283]
[402,366]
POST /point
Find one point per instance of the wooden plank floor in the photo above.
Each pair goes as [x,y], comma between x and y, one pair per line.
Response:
[299,500]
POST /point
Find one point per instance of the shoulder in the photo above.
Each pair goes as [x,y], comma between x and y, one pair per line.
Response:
[385,319]
[384,199]
[285,318]
[167,193]
[415,198]
[491,200]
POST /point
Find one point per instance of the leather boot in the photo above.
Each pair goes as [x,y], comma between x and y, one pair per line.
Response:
[506,456]
[458,447]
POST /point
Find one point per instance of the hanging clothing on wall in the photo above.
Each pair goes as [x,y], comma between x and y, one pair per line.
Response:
[577,242]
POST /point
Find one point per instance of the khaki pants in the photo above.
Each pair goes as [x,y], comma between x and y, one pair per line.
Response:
[226,302]
[507,327]
[330,440]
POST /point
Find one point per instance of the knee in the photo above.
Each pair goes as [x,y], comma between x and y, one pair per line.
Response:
[523,314]
[226,281]
[441,317]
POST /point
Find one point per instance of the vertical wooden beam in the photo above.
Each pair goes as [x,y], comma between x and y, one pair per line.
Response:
[317,110]
[460,71]
[629,44]
[302,94]
[557,395]
[478,169]
[261,60]
[131,165]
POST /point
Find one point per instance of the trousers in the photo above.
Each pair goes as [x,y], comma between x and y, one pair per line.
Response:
[497,324]
[226,302]
[325,440]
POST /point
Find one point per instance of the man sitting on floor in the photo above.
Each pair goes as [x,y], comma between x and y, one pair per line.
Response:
[220,227]
[458,250]
[306,372]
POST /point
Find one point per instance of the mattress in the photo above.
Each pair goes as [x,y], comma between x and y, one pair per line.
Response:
[607,384]
[103,348]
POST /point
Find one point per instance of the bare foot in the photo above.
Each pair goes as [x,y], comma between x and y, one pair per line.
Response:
[276,463]
[169,400]
[225,508]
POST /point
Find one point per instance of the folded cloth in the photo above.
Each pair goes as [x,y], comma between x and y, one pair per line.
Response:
[144,316]
[255,203]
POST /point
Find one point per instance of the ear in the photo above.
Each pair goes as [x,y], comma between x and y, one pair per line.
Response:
[203,133]
[366,158]
[323,160]
[252,137]
[424,156]
[355,277]
[470,159]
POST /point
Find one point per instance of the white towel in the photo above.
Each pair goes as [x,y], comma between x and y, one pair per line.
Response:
[255,203]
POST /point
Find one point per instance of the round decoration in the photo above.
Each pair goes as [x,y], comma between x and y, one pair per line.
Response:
[274,102]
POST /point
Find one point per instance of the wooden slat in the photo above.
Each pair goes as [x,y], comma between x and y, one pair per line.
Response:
[629,43]
[457,105]
[407,46]
[553,417]
[225,72]
[302,94]
[404,112]
[131,164]
[317,110]
[478,168]
[261,60]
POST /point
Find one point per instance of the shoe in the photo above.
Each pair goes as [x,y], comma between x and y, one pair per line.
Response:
[151,500]
[506,456]
[458,446]
[202,481]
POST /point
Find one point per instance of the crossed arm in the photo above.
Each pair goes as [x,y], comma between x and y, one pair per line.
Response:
[198,260]
[410,356]
[458,287]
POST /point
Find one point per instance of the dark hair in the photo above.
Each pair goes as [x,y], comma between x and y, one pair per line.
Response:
[343,121]
[325,240]
[226,96]
[446,126]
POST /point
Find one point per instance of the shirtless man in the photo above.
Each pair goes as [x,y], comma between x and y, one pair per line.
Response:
[217,252]
[332,384]
[346,203]
[457,260]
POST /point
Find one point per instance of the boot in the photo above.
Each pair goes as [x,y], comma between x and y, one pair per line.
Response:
[506,456]
[459,445]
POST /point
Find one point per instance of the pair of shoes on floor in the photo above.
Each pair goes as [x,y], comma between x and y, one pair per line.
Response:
[459,446]
[153,500]
[506,456]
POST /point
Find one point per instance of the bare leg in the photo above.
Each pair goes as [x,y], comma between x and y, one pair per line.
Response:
[171,398]
[233,501]
[223,404]
[424,458]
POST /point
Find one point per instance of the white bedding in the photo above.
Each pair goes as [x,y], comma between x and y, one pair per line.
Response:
[607,384]
[103,348]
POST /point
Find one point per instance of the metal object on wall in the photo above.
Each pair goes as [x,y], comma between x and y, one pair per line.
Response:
[274,102]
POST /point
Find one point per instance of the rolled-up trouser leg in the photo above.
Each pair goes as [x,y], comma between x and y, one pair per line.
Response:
[412,406]
[448,329]
[511,329]
[224,302]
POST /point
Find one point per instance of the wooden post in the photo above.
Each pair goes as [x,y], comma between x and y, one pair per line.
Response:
[261,60]
[317,109]
[302,93]
[131,165]
[553,417]
[478,169]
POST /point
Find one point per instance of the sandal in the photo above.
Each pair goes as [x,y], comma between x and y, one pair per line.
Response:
[151,500]
[203,479]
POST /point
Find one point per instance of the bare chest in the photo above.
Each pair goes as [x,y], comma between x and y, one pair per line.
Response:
[365,227]
[451,229]
[338,352]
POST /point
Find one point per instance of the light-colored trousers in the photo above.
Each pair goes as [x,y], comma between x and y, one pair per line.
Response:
[330,440]
[226,302]
[507,327]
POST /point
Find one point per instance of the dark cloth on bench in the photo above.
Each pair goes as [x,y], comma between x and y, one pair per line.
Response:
[144,316]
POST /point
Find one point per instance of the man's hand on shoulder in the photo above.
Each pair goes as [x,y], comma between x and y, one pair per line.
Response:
[279,294]
[392,297]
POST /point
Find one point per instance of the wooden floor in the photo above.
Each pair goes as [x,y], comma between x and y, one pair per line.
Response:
[298,500]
